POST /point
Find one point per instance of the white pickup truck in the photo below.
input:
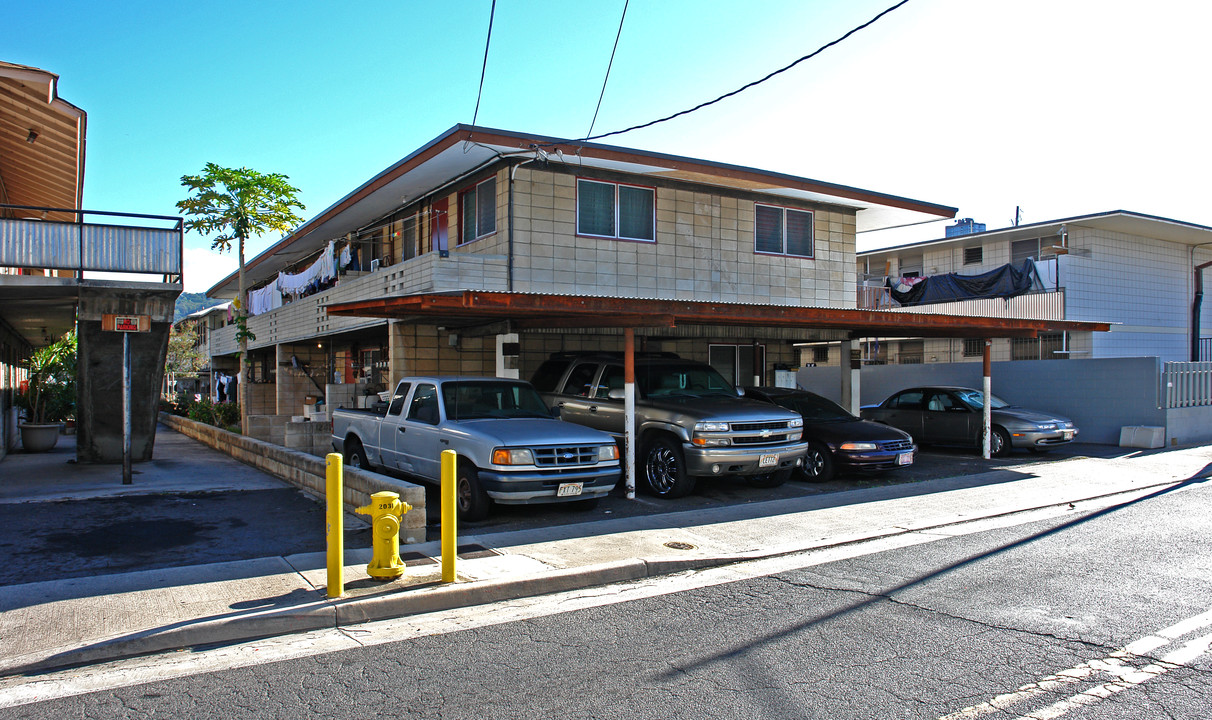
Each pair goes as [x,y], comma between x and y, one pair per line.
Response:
[511,449]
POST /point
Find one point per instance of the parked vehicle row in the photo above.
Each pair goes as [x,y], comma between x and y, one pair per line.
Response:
[558,438]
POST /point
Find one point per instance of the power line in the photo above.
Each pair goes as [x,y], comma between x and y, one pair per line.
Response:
[741,89]
[608,66]
[484,69]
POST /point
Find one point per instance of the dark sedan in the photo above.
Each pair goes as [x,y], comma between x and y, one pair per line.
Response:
[955,416]
[837,439]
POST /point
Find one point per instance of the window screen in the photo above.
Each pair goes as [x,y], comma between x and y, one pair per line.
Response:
[595,208]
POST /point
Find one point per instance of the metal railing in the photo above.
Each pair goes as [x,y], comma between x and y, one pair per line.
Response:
[1187,384]
[79,246]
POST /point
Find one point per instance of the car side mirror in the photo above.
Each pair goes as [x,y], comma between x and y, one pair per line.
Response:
[555,412]
[616,393]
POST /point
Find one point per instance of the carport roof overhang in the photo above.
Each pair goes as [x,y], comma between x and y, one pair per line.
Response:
[538,310]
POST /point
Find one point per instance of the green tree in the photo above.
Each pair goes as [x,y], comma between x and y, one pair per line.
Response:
[184,355]
[238,204]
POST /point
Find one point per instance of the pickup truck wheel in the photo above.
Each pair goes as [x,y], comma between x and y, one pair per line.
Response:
[665,469]
[355,455]
[818,464]
[473,502]
[769,480]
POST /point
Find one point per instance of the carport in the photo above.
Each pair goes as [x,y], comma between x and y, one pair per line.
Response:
[535,311]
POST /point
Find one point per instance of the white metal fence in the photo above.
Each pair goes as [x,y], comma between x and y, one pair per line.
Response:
[1187,384]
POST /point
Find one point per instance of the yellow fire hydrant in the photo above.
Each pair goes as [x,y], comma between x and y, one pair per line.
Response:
[385,511]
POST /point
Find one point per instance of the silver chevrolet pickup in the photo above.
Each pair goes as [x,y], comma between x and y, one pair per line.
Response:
[690,421]
[511,450]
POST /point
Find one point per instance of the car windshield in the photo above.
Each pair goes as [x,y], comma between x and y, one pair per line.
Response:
[469,400]
[682,380]
[975,399]
[814,408]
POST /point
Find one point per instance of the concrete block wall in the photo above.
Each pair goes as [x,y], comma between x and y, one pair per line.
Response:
[262,399]
[309,473]
[312,437]
[425,350]
[704,248]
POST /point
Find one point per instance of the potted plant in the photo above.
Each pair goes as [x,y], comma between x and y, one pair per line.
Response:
[49,397]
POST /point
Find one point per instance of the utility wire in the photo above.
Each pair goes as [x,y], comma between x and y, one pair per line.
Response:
[484,69]
[608,66]
[700,106]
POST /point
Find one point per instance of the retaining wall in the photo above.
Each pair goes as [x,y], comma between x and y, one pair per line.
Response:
[308,472]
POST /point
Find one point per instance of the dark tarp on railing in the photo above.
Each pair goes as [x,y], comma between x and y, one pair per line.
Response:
[1007,281]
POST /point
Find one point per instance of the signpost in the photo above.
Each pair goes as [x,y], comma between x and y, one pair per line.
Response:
[126,324]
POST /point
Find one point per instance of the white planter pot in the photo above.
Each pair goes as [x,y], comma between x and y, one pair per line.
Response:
[39,438]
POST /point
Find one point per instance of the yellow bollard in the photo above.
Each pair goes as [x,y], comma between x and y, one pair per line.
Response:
[385,510]
[335,527]
[450,512]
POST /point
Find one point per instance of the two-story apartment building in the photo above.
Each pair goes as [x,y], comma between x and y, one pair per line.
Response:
[1137,271]
[485,251]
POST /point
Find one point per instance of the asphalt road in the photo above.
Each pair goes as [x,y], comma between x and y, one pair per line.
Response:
[65,539]
[1030,620]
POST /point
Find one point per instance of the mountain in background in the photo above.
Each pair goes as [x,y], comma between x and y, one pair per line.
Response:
[189,303]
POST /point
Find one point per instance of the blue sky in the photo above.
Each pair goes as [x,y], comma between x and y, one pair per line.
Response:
[1061,107]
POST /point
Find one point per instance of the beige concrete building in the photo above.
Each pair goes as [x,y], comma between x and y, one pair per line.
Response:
[487,210]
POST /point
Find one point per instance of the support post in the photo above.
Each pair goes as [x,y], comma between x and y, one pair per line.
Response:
[335,527]
[629,432]
[450,508]
[988,409]
[851,365]
[126,410]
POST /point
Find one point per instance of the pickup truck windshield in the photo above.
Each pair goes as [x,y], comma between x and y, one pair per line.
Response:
[688,380]
[468,400]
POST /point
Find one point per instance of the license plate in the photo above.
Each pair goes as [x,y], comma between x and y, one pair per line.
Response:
[1067,434]
[569,489]
[904,459]
[768,461]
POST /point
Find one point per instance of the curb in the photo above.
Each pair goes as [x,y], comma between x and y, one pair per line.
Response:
[324,613]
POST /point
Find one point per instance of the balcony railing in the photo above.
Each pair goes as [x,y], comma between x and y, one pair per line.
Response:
[91,246]
[1049,305]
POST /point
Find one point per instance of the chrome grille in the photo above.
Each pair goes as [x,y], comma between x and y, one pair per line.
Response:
[758,426]
[566,455]
[775,439]
[896,445]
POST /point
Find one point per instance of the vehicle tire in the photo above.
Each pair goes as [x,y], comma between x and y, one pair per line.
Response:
[355,455]
[818,464]
[999,442]
[770,479]
[471,500]
[665,469]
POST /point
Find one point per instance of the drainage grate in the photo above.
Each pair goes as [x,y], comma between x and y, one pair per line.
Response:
[675,545]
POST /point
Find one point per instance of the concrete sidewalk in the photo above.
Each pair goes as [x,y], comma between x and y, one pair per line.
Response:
[87,620]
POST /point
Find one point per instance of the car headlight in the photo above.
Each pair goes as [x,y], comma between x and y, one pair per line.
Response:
[608,452]
[1045,426]
[798,422]
[507,456]
[858,446]
[708,426]
[710,441]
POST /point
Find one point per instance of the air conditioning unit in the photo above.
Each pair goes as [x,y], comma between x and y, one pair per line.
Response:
[374,265]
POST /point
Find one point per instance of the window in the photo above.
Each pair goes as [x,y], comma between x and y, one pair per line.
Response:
[1047,346]
[627,212]
[478,211]
[736,363]
[820,354]
[1020,250]
[397,400]
[974,347]
[580,380]
[424,405]
[974,255]
[782,231]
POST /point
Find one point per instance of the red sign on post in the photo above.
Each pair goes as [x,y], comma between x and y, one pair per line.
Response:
[126,323]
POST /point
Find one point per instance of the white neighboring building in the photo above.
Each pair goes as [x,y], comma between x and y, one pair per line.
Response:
[1136,271]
